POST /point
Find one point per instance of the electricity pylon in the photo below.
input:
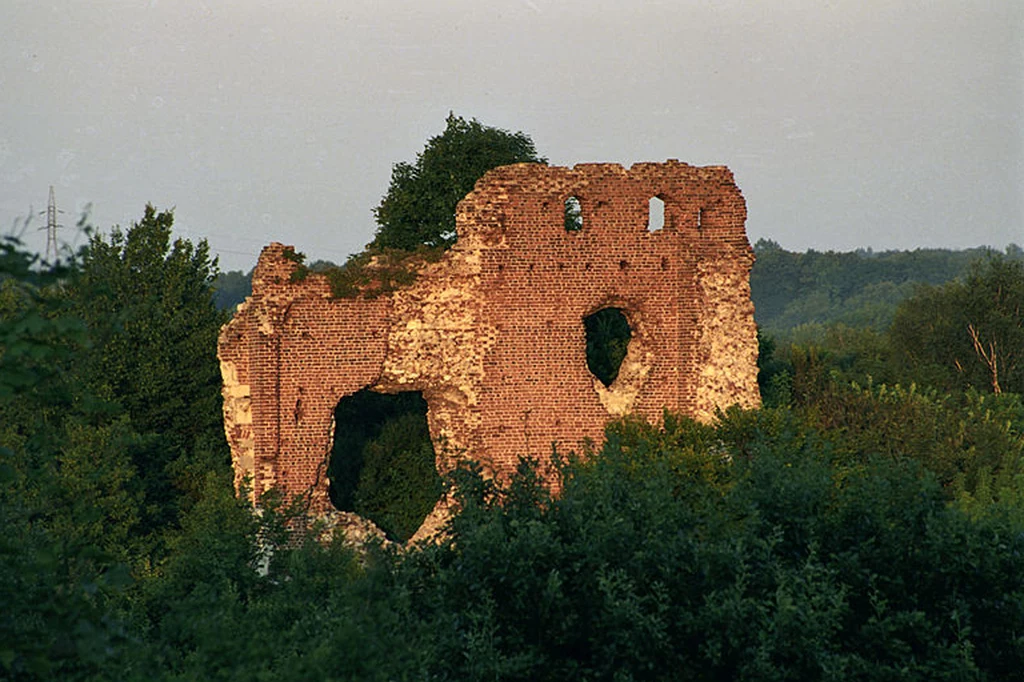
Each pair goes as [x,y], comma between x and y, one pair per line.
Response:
[51,228]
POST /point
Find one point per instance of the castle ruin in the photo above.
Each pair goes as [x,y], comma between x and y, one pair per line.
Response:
[492,334]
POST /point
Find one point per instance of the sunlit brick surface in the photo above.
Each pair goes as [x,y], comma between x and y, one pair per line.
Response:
[493,335]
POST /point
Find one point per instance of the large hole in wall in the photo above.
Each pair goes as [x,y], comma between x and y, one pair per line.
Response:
[608,335]
[382,463]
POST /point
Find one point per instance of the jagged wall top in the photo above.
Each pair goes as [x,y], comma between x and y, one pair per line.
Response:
[483,216]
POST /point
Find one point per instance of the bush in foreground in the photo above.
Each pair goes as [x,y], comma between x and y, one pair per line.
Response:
[752,550]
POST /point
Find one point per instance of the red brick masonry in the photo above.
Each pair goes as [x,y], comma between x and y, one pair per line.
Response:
[492,334]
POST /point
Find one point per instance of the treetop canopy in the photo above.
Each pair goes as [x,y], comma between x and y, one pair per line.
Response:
[419,207]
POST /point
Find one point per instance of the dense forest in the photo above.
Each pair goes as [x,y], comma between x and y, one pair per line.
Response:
[866,523]
[800,292]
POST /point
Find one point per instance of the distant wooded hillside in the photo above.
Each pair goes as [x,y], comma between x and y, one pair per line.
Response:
[859,288]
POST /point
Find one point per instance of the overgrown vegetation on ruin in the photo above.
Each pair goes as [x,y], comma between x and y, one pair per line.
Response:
[380,272]
[372,273]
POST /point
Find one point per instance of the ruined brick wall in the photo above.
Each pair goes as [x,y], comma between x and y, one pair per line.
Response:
[493,335]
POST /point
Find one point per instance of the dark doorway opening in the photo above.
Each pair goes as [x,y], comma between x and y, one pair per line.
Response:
[608,336]
[383,463]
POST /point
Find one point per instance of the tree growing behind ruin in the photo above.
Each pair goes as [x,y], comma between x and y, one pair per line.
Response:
[419,207]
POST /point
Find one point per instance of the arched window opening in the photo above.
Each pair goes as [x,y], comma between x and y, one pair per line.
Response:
[573,215]
[382,463]
[608,334]
[655,214]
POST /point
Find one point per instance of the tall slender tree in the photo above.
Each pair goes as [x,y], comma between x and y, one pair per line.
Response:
[148,303]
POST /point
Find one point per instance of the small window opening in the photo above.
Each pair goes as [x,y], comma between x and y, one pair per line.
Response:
[573,215]
[655,214]
[382,463]
[608,334]
[700,219]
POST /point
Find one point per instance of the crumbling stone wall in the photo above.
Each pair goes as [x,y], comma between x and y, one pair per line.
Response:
[492,334]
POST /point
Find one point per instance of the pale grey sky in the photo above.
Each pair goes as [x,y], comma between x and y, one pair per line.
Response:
[881,123]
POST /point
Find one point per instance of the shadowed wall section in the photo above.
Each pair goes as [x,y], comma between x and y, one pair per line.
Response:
[493,334]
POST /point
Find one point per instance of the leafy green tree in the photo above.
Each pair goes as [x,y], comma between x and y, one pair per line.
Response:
[774,373]
[419,207]
[662,559]
[148,304]
[68,505]
[399,484]
[967,333]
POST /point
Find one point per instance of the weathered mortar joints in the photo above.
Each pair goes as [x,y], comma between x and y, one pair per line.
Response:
[492,334]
